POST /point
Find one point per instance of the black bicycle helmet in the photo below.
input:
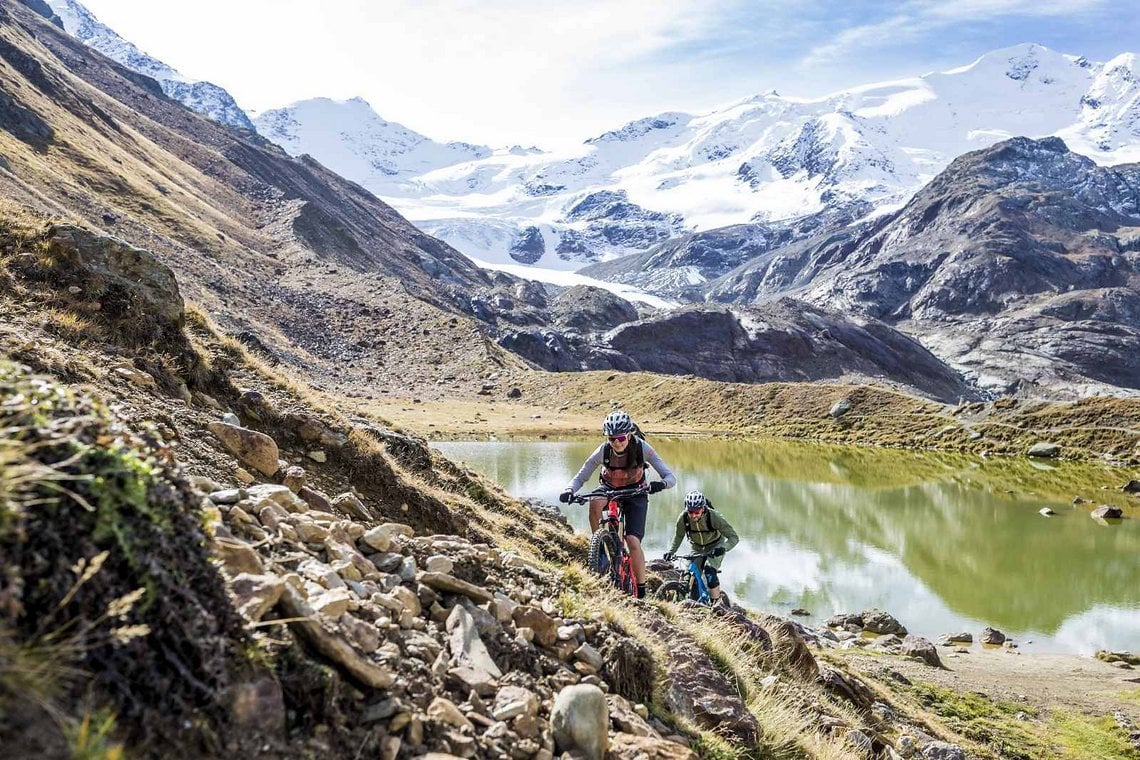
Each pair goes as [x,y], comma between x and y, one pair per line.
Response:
[617,422]
[695,501]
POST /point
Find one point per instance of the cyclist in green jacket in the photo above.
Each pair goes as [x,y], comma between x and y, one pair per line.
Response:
[708,532]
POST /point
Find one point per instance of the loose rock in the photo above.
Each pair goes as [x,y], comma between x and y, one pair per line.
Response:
[580,721]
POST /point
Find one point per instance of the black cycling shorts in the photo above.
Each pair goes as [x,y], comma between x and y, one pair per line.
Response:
[635,509]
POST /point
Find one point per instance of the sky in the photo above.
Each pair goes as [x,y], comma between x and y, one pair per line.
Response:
[553,73]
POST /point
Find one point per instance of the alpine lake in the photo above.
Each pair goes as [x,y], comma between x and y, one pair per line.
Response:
[945,543]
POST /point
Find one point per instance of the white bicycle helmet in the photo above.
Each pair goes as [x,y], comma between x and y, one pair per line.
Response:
[617,422]
[695,501]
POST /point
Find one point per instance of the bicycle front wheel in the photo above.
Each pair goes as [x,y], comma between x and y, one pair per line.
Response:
[673,591]
[605,556]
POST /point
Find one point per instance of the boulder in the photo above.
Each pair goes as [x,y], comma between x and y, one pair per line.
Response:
[349,504]
[237,556]
[846,686]
[877,621]
[942,751]
[991,636]
[950,639]
[1132,486]
[1107,512]
[697,690]
[132,287]
[916,646]
[626,720]
[294,478]
[840,408]
[444,710]
[1044,450]
[580,720]
[255,449]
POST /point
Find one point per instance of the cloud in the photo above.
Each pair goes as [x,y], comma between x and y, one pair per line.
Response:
[842,45]
[920,18]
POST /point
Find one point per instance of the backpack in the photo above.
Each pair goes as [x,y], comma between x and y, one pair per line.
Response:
[638,459]
[638,453]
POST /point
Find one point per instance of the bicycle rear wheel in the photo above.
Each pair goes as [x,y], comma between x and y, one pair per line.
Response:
[604,555]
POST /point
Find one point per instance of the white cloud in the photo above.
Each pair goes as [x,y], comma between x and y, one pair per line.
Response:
[922,17]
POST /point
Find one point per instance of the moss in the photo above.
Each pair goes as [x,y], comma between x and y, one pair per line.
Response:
[105,515]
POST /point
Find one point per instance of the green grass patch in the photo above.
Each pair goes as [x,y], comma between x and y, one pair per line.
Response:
[1082,736]
[992,723]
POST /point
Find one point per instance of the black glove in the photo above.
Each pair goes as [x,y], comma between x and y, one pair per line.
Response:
[656,485]
[718,552]
[669,556]
[564,497]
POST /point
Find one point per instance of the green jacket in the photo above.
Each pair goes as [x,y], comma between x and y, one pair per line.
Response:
[711,531]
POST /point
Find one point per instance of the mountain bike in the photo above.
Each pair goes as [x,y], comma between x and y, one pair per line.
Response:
[609,555]
[692,584]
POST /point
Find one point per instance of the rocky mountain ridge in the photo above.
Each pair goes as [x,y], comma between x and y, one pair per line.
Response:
[770,158]
[1017,265]
[206,98]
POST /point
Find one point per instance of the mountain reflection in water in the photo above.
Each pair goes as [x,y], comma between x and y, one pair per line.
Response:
[943,542]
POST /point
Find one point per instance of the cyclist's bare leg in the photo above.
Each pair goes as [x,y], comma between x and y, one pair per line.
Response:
[596,513]
[636,557]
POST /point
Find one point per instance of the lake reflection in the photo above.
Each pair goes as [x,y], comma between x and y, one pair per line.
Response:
[939,541]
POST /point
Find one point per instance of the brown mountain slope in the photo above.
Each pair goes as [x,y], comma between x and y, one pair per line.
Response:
[278,249]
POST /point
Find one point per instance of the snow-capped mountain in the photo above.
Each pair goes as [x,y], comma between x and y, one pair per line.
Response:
[206,98]
[352,140]
[762,159]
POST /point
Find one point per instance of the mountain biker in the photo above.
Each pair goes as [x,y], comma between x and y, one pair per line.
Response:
[708,532]
[623,457]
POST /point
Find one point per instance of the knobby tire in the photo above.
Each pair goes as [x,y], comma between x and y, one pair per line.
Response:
[673,591]
[604,556]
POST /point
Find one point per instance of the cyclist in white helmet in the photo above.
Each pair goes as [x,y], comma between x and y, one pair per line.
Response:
[623,457]
[708,532]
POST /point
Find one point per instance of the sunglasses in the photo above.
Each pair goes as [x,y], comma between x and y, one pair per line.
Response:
[618,438]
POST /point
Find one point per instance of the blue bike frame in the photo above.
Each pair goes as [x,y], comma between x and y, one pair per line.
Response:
[698,573]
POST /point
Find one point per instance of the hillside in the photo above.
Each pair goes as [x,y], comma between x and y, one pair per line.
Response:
[224,564]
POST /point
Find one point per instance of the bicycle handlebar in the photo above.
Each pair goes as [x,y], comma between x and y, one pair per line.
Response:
[610,493]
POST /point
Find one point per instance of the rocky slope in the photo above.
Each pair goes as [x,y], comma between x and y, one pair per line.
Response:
[785,340]
[282,250]
[206,98]
[253,573]
[765,158]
